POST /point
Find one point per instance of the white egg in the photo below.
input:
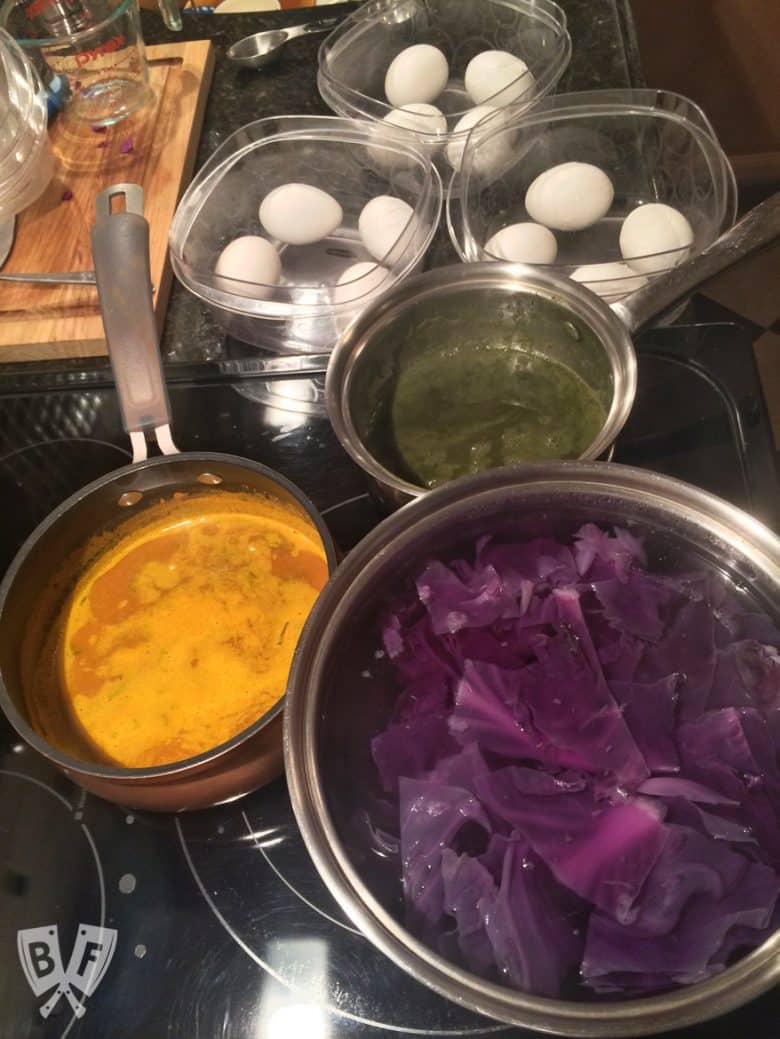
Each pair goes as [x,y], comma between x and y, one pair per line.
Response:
[611,281]
[381,223]
[655,237]
[418,116]
[570,196]
[523,243]
[253,262]
[359,282]
[492,152]
[418,73]
[494,71]
[299,214]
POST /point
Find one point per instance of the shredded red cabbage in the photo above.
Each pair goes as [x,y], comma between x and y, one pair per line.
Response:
[586,760]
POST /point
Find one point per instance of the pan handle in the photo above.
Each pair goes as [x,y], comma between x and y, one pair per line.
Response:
[120,247]
[758,227]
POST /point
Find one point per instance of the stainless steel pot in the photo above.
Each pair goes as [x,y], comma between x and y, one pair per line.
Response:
[333,711]
[517,306]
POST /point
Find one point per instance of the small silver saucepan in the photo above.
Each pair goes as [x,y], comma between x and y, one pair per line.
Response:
[514,306]
[120,242]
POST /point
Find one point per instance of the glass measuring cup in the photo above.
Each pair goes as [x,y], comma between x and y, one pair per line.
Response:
[94,46]
[66,17]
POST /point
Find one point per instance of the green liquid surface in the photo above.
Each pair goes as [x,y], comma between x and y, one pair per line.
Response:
[461,411]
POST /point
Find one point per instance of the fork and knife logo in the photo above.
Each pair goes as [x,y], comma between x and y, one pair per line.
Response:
[41,960]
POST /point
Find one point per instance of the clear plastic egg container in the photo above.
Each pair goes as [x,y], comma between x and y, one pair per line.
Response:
[307,309]
[655,147]
[26,160]
[355,57]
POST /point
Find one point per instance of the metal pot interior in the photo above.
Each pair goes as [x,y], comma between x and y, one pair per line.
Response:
[340,806]
[501,307]
[76,532]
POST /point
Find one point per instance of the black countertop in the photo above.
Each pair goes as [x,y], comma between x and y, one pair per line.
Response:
[604,55]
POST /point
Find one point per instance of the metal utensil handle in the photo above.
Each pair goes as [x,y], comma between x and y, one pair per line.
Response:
[120,247]
[758,227]
[171,14]
[321,25]
[66,278]
[291,364]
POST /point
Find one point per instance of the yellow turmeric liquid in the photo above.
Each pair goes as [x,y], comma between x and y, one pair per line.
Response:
[182,634]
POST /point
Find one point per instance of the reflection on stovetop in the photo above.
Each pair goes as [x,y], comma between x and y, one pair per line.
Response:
[222,926]
[283,917]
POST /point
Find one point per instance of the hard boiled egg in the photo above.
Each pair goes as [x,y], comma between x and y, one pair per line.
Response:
[359,282]
[569,196]
[252,264]
[419,117]
[299,214]
[492,72]
[491,153]
[418,74]
[381,223]
[655,237]
[523,243]
[611,281]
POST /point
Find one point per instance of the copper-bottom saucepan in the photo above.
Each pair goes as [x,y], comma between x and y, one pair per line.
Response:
[121,244]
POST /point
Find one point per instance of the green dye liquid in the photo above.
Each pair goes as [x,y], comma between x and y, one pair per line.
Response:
[456,412]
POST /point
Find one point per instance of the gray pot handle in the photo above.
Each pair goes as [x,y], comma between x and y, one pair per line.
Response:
[758,227]
[120,247]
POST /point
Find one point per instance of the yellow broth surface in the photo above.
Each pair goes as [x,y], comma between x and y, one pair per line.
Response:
[181,634]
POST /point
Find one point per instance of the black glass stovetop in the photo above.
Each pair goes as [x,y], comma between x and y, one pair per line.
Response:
[215,925]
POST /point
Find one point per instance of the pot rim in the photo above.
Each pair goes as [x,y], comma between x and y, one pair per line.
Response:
[593,311]
[76,766]
[754,974]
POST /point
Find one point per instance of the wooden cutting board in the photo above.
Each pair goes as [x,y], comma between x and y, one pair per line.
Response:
[155,148]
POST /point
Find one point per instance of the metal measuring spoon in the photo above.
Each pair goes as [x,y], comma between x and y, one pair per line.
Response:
[264,48]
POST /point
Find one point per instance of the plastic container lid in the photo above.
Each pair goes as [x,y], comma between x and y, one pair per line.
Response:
[354,58]
[346,158]
[656,147]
